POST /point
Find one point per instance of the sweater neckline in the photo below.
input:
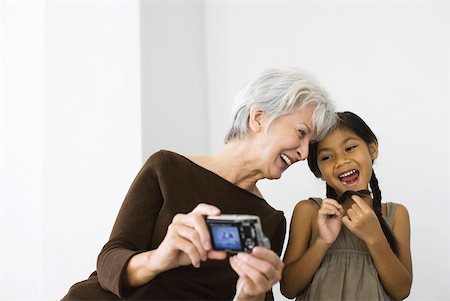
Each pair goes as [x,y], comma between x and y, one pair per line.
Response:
[216,175]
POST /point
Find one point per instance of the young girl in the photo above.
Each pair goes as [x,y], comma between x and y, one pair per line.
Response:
[349,246]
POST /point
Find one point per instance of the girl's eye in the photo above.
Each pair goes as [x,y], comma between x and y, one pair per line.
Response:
[350,148]
[325,158]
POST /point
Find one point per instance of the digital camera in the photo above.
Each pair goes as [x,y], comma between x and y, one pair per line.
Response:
[236,233]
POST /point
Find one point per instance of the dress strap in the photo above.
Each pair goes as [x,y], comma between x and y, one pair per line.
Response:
[318,201]
[390,210]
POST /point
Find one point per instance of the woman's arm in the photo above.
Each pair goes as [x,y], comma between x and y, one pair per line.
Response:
[133,229]
[128,259]
[395,272]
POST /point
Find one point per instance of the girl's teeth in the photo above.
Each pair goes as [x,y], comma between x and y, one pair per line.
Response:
[346,174]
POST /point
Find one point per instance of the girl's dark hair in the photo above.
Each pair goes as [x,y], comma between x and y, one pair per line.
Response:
[355,124]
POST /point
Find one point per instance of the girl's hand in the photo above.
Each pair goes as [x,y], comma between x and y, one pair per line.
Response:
[187,240]
[258,271]
[329,220]
[362,221]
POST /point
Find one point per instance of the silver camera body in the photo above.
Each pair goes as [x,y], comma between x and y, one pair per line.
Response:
[236,233]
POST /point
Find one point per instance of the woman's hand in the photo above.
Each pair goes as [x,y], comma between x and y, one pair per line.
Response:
[258,271]
[362,221]
[187,241]
[329,220]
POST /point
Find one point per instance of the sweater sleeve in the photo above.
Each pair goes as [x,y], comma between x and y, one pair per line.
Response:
[133,228]
[277,241]
[278,238]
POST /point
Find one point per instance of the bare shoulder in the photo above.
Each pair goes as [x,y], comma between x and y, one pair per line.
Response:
[306,207]
[302,225]
[401,217]
[400,210]
[305,212]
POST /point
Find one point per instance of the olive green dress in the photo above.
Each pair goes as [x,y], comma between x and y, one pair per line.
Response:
[347,271]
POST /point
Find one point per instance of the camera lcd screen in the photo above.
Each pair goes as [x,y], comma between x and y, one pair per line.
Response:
[226,237]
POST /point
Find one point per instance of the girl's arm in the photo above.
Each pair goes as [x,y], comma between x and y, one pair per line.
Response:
[395,272]
[302,260]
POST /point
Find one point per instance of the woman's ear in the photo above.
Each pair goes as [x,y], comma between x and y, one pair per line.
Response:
[257,120]
[373,149]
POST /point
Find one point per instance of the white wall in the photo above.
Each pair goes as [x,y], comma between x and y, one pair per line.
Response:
[21,150]
[174,85]
[92,131]
[387,62]
[71,138]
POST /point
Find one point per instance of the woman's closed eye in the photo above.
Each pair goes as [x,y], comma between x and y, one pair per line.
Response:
[301,133]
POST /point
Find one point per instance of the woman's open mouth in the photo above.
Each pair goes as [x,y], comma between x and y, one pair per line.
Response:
[286,159]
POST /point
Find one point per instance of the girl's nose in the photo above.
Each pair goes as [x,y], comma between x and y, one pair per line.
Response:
[341,161]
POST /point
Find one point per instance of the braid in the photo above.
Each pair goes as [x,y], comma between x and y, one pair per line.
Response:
[331,193]
[377,208]
[376,192]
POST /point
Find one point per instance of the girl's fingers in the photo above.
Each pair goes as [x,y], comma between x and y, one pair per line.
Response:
[328,209]
[351,214]
[356,209]
[360,202]
[347,222]
[332,202]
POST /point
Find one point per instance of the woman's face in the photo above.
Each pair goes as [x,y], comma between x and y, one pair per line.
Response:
[345,160]
[286,141]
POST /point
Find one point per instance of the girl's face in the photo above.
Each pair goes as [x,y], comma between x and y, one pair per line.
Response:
[286,142]
[345,160]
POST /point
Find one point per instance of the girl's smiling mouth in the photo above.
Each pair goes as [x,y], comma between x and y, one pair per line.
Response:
[349,177]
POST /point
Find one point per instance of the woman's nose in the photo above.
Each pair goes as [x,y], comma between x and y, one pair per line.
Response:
[302,151]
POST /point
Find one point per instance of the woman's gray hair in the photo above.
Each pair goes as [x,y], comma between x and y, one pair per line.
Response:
[282,92]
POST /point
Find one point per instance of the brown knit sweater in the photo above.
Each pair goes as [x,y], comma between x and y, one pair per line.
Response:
[168,184]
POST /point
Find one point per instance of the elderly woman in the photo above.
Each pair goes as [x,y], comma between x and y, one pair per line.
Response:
[160,247]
